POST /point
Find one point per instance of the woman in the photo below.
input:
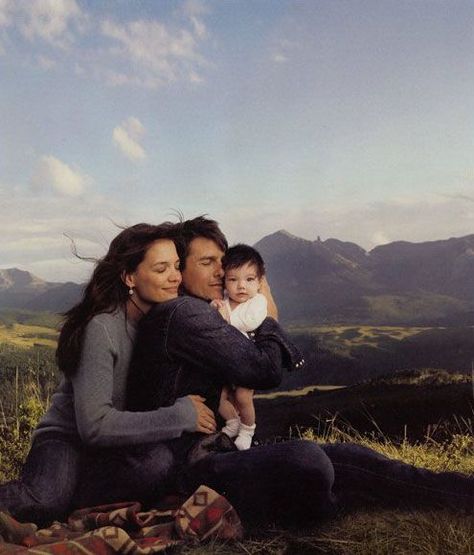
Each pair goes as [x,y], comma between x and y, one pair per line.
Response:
[87,416]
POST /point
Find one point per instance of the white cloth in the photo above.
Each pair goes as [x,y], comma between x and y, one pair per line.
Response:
[249,315]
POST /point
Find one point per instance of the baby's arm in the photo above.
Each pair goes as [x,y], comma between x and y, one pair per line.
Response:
[249,315]
[221,307]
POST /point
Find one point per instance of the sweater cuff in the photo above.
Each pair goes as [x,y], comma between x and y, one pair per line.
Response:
[188,412]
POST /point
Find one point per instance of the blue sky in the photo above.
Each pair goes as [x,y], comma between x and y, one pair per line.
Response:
[346,119]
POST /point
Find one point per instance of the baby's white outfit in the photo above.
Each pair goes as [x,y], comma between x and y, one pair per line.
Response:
[246,317]
[249,315]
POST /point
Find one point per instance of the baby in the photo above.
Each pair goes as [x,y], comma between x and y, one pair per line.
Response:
[245,308]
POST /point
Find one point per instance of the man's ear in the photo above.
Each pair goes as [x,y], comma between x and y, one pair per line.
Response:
[128,279]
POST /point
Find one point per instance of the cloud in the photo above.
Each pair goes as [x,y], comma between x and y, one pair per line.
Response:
[7,8]
[52,21]
[194,10]
[33,228]
[282,50]
[45,63]
[279,58]
[156,53]
[416,218]
[146,53]
[53,174]
[126,137]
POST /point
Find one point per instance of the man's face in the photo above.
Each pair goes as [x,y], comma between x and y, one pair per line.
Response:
[203,274]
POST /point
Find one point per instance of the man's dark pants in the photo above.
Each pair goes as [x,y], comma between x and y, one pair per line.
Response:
[295,482]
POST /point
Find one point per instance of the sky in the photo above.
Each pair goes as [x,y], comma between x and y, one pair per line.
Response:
[331,118]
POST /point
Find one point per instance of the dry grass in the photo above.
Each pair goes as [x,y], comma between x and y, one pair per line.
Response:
[385,532]
[26,336]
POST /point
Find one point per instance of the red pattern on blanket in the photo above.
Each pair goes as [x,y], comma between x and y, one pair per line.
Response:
[124,528]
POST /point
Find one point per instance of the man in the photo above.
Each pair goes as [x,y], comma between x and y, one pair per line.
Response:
[292,481]
[203,246]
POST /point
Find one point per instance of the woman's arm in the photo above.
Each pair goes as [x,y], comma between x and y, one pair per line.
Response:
[98,421]
[266,291]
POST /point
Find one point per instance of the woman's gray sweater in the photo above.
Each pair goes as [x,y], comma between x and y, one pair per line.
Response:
[91,403]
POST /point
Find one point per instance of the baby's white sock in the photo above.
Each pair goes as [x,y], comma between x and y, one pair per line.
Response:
[244,439]
[231,427]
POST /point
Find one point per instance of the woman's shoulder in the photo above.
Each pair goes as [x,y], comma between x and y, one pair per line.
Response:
[111,323]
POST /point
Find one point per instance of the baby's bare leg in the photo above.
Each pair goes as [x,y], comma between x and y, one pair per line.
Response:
[244,401]
[226,406]
[229,413]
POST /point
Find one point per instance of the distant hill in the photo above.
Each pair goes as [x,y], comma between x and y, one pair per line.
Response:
[21,289]
[327,281]
[400,406]
[402,282]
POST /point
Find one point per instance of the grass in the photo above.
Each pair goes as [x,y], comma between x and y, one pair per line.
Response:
[298,392]
[385,532]
[26,335]
[354,336]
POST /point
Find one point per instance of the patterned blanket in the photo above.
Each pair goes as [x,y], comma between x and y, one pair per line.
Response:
[124,528]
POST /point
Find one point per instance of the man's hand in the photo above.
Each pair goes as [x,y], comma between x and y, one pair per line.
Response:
[221,307]
[271,306]
[206,422]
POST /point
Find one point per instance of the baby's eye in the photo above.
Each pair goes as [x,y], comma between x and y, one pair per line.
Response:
[231,279]
[250,279]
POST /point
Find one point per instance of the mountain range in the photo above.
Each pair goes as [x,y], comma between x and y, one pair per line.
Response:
[326,281]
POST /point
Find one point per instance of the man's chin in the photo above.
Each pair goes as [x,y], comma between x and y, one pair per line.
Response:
[216,294]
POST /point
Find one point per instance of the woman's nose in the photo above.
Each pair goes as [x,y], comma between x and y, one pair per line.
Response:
[175,276]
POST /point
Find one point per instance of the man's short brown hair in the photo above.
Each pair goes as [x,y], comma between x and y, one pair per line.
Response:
[200,226]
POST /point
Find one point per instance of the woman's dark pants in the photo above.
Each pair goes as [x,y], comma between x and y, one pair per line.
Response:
[295,482]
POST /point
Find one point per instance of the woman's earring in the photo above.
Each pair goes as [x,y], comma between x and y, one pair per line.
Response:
[130,291]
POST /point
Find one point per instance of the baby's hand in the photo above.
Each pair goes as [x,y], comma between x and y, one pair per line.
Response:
[221,307]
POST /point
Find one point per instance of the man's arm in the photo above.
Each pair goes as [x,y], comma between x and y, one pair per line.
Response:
[199,336]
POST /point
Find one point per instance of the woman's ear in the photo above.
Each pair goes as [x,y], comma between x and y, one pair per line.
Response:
[128,279]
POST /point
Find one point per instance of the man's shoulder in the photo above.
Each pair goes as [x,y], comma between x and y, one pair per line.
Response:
[182,304]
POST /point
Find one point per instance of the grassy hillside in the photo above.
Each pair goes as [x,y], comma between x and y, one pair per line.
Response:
[344,355]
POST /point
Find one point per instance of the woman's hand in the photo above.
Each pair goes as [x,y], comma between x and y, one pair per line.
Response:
[206,422]
[266,291]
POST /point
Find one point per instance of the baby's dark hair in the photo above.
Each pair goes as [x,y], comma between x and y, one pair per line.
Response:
[239,255]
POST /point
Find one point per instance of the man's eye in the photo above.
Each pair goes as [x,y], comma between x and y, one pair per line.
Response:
[206,263]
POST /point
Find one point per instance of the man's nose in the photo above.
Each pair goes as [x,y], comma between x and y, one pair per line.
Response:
[218,270]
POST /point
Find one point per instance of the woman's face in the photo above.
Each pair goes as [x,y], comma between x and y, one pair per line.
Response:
[157,277]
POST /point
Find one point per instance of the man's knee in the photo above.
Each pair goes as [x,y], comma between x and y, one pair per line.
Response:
[306,460]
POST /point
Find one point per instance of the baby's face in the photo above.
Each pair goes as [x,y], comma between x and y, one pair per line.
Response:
[242,283]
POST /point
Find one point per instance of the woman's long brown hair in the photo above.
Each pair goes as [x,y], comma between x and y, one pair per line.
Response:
[106,290]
